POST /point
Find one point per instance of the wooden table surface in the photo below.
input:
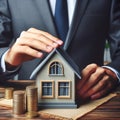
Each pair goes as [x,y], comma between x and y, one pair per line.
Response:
[107,111]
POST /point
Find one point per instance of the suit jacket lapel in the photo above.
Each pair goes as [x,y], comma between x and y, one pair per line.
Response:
[46,14]
[80,8]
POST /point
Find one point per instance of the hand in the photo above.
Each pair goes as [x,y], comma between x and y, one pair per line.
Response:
[31,44]
[96,82]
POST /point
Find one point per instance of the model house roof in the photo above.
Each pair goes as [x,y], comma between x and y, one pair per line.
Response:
[64,55]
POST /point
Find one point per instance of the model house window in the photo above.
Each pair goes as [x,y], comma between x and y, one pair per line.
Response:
[56,68]
[47,88]
[63,89]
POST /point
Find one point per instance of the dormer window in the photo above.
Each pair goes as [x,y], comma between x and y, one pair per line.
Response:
[56,68]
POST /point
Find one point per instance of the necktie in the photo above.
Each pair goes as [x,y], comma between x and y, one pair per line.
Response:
[61,18]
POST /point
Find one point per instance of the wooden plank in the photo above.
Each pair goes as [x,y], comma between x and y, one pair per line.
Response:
[107,111]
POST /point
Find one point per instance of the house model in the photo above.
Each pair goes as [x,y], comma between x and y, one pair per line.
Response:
[55,79]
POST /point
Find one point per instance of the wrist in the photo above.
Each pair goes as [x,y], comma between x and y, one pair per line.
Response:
[10,67]
[111,74]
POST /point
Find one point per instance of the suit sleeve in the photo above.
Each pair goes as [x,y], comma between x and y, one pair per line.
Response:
[5,33]
[114,35]
[5,25]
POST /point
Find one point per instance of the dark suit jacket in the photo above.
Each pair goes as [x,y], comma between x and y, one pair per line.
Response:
[94,21]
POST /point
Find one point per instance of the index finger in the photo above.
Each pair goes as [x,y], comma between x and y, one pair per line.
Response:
[55,39]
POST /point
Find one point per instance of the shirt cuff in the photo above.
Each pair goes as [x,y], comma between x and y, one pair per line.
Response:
[115,71]
[4,66]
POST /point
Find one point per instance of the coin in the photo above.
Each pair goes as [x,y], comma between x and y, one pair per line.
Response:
[31,114]
[9,93]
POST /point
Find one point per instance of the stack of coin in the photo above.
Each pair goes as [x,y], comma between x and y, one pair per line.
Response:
[19,102]
[2,92]
[9,93]
[32,98]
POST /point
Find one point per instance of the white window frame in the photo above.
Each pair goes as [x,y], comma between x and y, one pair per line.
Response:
[69,89]
[61,67]
[52,87]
